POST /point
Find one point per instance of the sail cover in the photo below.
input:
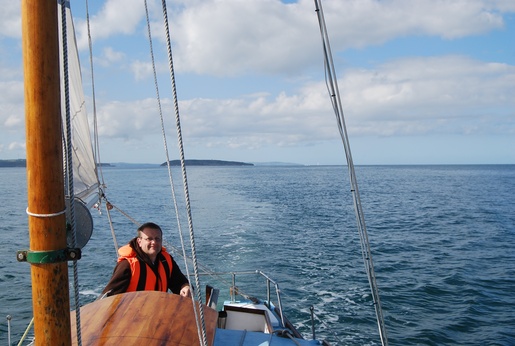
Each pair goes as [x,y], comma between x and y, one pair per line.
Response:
[85,179]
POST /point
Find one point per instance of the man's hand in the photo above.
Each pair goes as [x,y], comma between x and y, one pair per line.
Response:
[185,291]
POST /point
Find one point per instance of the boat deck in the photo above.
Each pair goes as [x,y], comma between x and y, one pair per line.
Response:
[224,337]
[157,318]
[142,318]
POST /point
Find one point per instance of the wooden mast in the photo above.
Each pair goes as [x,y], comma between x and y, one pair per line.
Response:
[50,295]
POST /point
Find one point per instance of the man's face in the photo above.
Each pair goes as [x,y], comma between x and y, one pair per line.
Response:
[150,242]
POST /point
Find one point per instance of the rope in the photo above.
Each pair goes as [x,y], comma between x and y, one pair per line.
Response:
[24,336]
[69,164]
[110,205]
[291,338]
[183,170]
[198,319]
[332,87]
[201,329]
[45,215]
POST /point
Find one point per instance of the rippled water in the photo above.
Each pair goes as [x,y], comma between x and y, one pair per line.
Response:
[442,241]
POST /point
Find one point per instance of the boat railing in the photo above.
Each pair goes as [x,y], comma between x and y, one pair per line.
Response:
[235,290]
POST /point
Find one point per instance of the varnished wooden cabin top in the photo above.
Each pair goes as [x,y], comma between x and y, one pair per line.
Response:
[142,318]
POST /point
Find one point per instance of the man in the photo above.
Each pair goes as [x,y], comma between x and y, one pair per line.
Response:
[144,265]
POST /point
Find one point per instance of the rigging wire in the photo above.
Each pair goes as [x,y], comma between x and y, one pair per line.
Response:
[184,176]
[96,142]
[199,315]
[111,227]
[69,164]
[332,86]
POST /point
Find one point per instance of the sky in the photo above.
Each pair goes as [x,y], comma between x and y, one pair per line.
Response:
[421,81]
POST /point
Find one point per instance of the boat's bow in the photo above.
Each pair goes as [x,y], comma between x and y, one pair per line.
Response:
[143,318]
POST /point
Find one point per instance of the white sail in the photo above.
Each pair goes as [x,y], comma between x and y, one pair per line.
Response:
[85,179]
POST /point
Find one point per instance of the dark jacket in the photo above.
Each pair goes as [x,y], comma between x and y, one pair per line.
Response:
[122,272]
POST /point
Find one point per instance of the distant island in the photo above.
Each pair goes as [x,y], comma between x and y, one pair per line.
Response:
[23,163]
[13,163]
[208,163]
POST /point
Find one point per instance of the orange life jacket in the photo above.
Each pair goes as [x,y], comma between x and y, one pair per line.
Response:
[143,277]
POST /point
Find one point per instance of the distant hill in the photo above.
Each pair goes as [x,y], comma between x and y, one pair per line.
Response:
[13,163]
[207,163]
[23,163]
[192,162]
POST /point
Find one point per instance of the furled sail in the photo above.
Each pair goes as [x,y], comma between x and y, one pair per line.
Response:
[85,178]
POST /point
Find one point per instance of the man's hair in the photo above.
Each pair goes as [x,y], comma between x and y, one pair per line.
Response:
[149,225]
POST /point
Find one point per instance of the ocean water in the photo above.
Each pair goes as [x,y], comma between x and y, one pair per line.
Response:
[442,240]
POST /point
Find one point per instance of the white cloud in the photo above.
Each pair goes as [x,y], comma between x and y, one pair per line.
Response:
[15,146]
[141,69]
[361,23]
[415,96]
[12,121]
[10,19]
[111,56]
[231,37]
[116,17]
[12,112]
[406,97]
[450,94]
[128,120]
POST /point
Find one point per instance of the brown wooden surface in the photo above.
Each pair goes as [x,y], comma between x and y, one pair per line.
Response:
[142,318]
[45,169]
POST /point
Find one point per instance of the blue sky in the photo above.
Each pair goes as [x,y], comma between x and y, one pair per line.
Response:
[422,82]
